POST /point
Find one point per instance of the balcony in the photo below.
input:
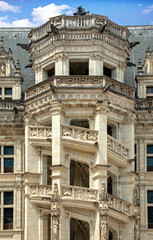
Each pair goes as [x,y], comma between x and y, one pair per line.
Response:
[81,197]
[81,22]
[119,205]
[37,135]
[144,104]
[117,152]
[78,137]
[40,194]
[10,104]
[79,82]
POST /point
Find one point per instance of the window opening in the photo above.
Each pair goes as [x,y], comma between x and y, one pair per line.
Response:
[149,157]
[79,68]
[79,174]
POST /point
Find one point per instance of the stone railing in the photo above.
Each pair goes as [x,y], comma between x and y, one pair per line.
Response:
[40,132]
[144,103]
[119,205]
[79,193]
[78,133]
[84,21]
[40,191]
[79,81]
[10,104]
[117,147]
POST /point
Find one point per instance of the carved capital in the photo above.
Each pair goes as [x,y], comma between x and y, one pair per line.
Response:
[57,109]
[129,119]
[94,56]
[102,108]
[60,57]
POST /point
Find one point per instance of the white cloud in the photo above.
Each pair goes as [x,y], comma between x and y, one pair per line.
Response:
[39,16]
[148,9]
[6,7]
[139,5]
[42,14]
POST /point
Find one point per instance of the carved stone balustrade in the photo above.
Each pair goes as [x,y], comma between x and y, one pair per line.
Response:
[144,103]
[79,81]
[80,134]
[119,205]
[82,22]
[40,191]
[117,147]
[10,104]
[79,193]
[40,132]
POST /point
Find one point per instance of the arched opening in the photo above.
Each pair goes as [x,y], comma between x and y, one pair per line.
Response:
[79,230]
[110,185]
[110,235]
[79,174]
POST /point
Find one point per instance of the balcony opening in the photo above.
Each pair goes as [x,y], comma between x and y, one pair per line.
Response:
[112,130]
[107,72]
[79,230]
[80,123]
[110,185]
[79,68]
[47,172]
[79,174]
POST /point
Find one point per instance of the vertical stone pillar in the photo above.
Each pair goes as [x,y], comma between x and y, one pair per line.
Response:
[127,133]
[38,73]
[55,214]
[99,169]
[61,65]
[57,149]
[95,65]
[104,230]
[118,73]
[141,159]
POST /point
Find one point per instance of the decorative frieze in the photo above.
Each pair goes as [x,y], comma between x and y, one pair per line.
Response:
[119,205]
[40,191]
[40,132]
[117,147]
[78,133]
[79,193]
[10,104]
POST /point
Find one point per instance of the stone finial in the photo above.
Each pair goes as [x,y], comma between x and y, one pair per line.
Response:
[81,11]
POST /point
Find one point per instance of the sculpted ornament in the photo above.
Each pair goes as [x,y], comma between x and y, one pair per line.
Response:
[55,228]
[104,229]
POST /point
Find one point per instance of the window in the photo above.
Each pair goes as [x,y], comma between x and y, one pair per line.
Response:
[6,210]
[6,159]
[135,157]
[149,157]
[5,93]
[150,208]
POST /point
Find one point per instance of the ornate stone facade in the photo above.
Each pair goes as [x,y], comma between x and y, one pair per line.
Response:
[67,149]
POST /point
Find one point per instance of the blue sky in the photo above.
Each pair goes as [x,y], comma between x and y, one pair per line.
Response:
[33,13]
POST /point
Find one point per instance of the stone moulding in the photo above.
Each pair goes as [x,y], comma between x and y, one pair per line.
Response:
[118,147]
[79,81]
[78,133]
[144,104]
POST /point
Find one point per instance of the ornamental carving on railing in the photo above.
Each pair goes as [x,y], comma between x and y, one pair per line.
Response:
[78,133]
[79,81]
[119,204]
[117,147]
[79,193]
[40,132]
[40,191]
